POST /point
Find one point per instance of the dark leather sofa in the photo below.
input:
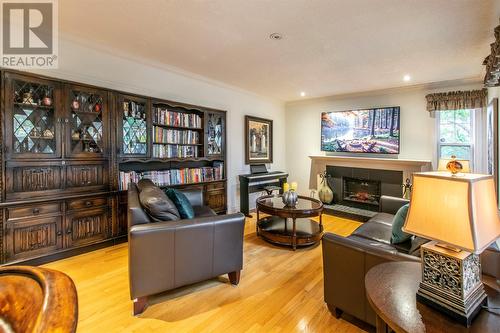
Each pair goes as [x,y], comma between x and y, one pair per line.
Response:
[168,254]
[346,260]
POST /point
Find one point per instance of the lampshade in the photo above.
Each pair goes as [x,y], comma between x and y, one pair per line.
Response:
[458,210]
[444,161]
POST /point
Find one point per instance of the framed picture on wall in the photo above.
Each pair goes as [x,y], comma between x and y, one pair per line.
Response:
[492,139]
[258,140]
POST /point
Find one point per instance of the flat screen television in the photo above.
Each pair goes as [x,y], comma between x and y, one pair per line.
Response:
[361,131]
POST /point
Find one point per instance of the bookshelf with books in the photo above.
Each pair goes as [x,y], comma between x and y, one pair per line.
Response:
[179,152]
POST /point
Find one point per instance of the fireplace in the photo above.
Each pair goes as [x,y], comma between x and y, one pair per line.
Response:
[360,190]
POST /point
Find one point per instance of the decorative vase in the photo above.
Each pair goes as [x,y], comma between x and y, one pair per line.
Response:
[325,193]
[454,166]
[290,198]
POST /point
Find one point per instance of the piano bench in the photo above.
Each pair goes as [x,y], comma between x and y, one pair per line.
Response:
[270,189]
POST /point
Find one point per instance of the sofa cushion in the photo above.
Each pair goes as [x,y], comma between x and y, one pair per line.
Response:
[157,205]
[374,230]
[383,218]
[181,202]
[398,235]
[203,211]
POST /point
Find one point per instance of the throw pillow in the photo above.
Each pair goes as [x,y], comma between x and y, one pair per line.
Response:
[181,202]
[145,183]
[398,235]
[157,205]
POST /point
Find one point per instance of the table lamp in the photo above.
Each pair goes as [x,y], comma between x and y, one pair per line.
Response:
[460,215]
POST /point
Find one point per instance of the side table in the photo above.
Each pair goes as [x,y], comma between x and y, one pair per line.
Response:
[391,291]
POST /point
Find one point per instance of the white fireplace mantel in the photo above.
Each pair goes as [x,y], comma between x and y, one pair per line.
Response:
[407,166]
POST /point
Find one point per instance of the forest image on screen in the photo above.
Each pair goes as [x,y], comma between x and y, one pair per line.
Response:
[361,131]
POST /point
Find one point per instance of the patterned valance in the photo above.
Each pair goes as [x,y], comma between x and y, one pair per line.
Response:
[457,100]
[492,62]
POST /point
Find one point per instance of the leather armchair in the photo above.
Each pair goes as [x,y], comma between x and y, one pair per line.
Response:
[171,254]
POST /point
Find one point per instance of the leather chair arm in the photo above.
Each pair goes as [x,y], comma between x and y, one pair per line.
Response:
[345,264]
[391,205]
[166,255]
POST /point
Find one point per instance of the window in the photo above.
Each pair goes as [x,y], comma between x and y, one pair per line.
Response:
[456,134]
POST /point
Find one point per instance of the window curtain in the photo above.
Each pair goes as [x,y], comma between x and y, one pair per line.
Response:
[457,100]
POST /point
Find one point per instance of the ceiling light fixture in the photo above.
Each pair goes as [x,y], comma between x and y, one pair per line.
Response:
[302,93]
[406,78]
[276,36]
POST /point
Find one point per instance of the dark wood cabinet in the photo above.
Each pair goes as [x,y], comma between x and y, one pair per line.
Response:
[133,116]
[87,175]
[32,123]
[215,196]
[68,149]
[26,238]
[24,180]
[86,122]
[86,226]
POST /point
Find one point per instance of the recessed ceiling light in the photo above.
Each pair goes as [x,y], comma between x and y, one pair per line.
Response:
[406,78]
[302,93]
[276,36]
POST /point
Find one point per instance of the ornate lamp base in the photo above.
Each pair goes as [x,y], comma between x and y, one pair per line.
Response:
[451,282]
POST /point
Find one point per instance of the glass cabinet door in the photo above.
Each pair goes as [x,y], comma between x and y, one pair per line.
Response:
[86,127]
[32,117]
[216,133]
[133,112]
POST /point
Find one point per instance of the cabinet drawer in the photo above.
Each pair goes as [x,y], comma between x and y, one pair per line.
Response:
[215,186]
[29,238]
[87,203]
[33,210]
[87,177]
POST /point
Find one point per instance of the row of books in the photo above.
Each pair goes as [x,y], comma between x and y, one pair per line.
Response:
[172,151]
[174,176]
[171,118]
[164,135]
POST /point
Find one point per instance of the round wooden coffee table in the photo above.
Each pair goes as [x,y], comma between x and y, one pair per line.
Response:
[290,226]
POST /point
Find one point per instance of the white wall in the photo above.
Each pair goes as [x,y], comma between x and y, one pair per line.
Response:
[418,132]
[107,69]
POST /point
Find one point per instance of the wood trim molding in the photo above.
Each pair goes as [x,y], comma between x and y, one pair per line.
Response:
[408,166]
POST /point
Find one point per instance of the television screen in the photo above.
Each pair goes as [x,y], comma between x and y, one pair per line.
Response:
[361,131]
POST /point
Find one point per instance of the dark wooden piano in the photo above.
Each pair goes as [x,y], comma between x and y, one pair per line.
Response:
[257,181]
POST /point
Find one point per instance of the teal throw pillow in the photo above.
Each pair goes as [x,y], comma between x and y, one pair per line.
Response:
[398,235]
[181,202]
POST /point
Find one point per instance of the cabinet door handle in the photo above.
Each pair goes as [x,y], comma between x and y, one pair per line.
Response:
[59,233]
[36,211]
[68,231]
[88,203]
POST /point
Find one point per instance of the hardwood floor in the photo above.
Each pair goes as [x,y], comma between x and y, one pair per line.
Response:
[279,291]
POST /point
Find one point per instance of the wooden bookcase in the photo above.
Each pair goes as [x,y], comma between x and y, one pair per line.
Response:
[67,148]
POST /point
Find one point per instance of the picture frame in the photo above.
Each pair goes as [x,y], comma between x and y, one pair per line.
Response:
[258,140]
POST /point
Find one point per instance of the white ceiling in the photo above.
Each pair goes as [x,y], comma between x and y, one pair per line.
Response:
[329,46]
